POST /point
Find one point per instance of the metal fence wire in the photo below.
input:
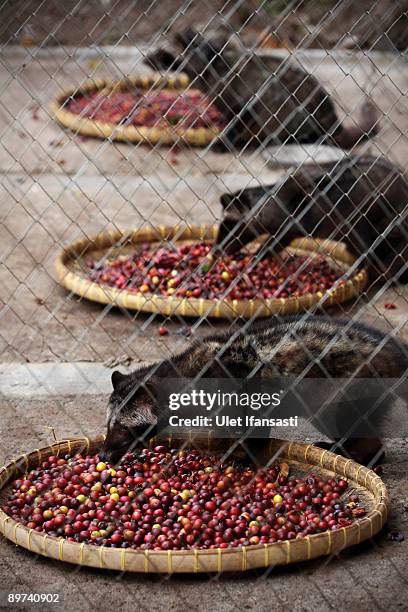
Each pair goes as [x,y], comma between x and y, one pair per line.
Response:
[301,134]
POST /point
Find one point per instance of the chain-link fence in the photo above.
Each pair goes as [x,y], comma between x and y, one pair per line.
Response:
[194,167]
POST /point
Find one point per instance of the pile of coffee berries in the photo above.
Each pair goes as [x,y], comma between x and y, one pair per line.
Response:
[190,270]
[156,108]
[165,499]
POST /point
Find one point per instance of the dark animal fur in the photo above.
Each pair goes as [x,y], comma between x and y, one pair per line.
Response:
[263,99]
[361,201]
[288,347]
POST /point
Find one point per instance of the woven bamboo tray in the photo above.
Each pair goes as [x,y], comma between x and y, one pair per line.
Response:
[70,273]
[300,457]
[128,133]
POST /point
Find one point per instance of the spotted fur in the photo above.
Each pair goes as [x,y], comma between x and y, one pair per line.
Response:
[264,99]
[361,201]
[283,347]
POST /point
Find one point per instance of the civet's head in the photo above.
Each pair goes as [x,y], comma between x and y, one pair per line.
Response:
[131,418]
[241,218]
[194,54]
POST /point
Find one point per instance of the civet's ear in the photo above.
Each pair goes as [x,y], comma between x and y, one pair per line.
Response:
[117,378]
[187,37]
[226,199]
[162,60]
[233,202]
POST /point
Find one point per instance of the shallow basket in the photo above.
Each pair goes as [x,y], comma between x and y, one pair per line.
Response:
[299,457]
[70,274]
[129,133]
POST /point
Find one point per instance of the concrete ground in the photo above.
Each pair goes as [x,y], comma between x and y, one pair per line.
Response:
[56,187]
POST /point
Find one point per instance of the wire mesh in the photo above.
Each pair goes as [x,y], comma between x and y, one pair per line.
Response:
[311,100]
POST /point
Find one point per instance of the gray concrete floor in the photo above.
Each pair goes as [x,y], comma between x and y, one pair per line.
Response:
[55,188]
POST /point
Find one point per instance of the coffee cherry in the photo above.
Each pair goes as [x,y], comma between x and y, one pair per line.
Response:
[196,273]
[163,499]
[116,538]
[158,108]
